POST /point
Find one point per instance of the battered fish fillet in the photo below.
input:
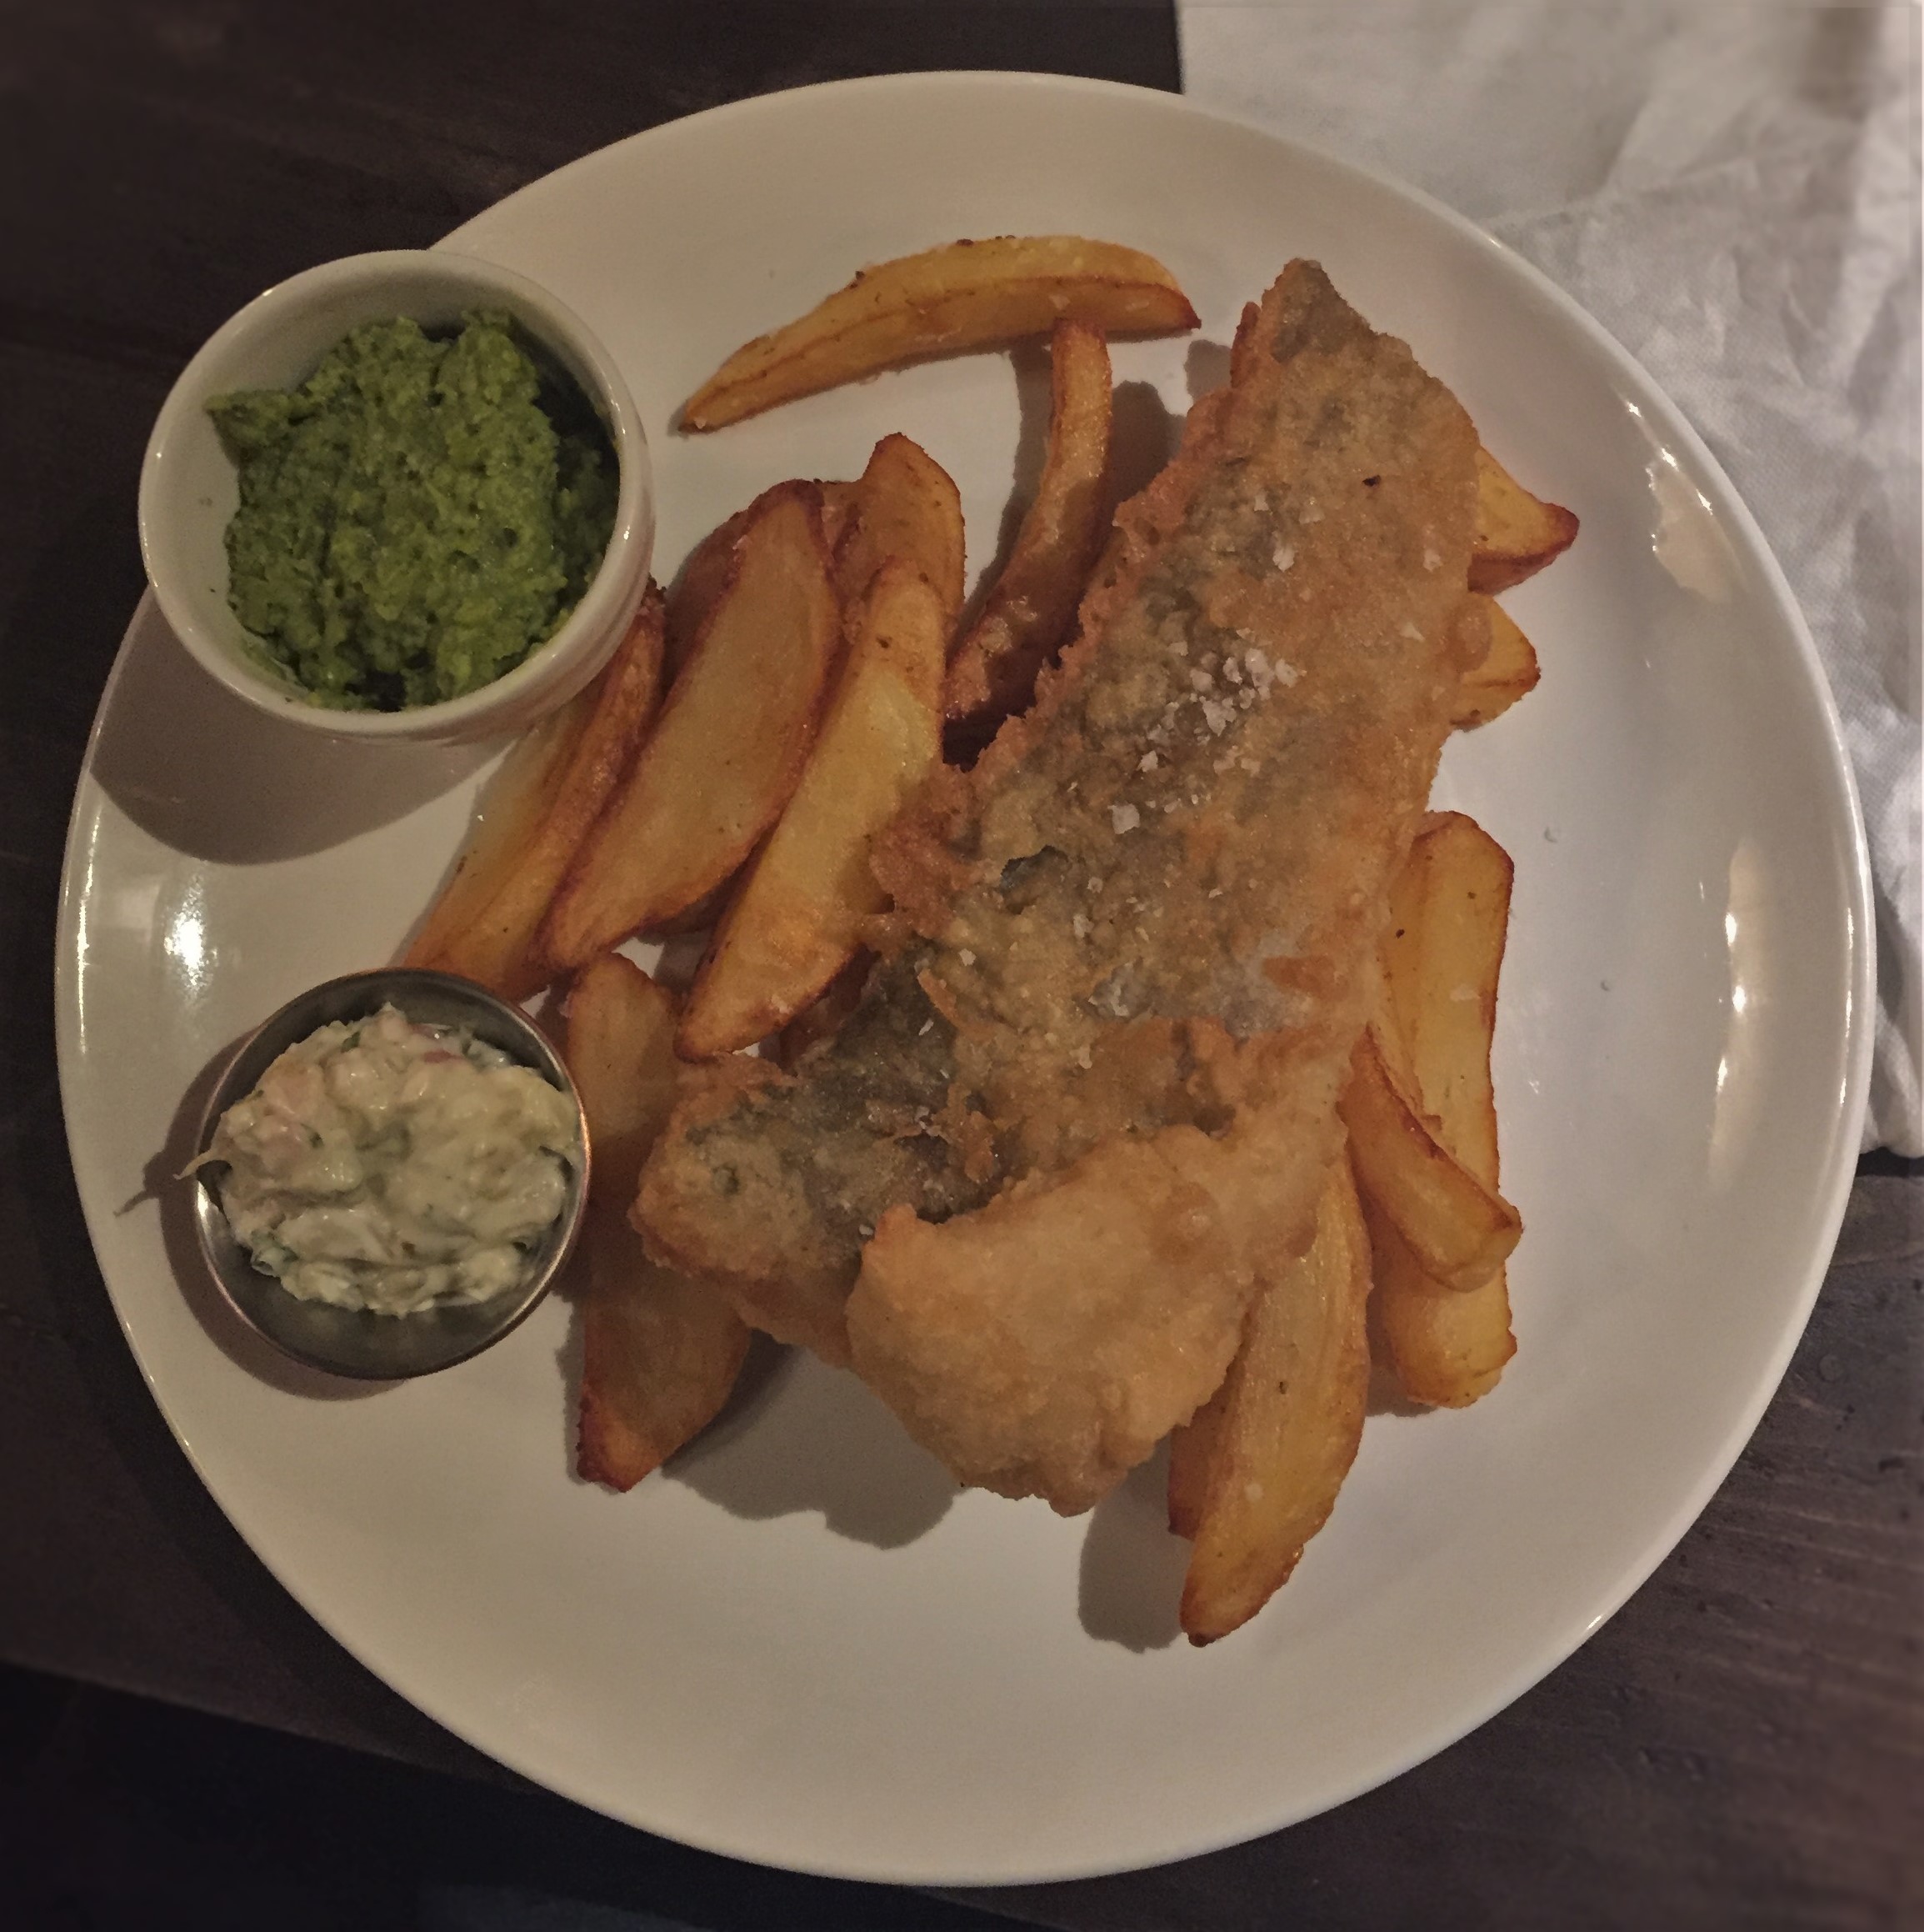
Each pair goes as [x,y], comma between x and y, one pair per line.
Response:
[1028,1187]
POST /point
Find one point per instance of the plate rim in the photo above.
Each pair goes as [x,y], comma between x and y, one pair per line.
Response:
[1843,1129]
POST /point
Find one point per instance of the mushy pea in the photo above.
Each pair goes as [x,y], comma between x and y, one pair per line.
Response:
[417,516]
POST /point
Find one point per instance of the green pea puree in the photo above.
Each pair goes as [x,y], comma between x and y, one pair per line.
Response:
[417,516]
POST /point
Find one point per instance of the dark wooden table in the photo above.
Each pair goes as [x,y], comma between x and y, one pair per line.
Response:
[1741,1745]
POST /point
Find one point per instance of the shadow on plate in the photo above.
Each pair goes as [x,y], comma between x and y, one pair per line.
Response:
[210,776]
[1029,363]
[798,1436]
[1206,368]
[1142,437]
[241,1344]
[1133,1568]
[1385,1397]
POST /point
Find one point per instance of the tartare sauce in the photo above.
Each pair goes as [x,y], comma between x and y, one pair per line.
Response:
[384,1165]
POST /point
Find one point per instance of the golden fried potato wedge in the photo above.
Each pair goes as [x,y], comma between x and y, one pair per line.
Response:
[1516,533]
[1443,955]
[486,923]
[1509,671]
[705,575]
[964,295]
[1389,1037]
[703,578]
[905,504]
[1444,1350]
[1256,1475]
[1460,1231]
[620,1050]
[1024,617]
[729,747]
[796,918]
[507,814]
[660,1353]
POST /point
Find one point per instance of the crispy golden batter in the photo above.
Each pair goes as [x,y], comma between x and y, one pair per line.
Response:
[1129,966]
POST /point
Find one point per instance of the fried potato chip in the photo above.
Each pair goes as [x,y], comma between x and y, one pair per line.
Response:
[1450,908]
[1443,957]
[1516,533]
[1026,616]
[730,745]
[508,812]
[660,1353]
[1509,671]
[1444,1350]
[904,504]
[1256,1475]
[797,917]
[553,787]
[1460,1231]
[619,1044]
[703,578]
[705,575]
[964,295]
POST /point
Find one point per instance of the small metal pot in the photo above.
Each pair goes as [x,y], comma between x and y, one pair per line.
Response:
[358,1342]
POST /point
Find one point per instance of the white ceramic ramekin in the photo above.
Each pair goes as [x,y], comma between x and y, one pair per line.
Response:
[189,488]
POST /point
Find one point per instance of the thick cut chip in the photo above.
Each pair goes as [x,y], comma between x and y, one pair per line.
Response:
[1442,956]
[1507,673]
[798,916]
[730,746]
[705,575]
[1256,1475]
[540,808]
[703,578]
[905,504]
[1460,1231]
[507,814]
[1024,617]
[1450,909]
[621,1055]
[964,295]
[1445,1350]
[660,1353]
[1516,533]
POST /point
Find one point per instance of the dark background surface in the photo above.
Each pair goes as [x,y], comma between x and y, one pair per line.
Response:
[179,1743]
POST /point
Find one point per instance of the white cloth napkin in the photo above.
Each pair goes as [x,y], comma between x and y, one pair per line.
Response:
[1733,190]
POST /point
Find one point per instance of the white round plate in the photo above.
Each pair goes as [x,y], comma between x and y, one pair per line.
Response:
[800,1644]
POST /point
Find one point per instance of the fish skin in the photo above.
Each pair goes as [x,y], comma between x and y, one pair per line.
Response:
[1145,915]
